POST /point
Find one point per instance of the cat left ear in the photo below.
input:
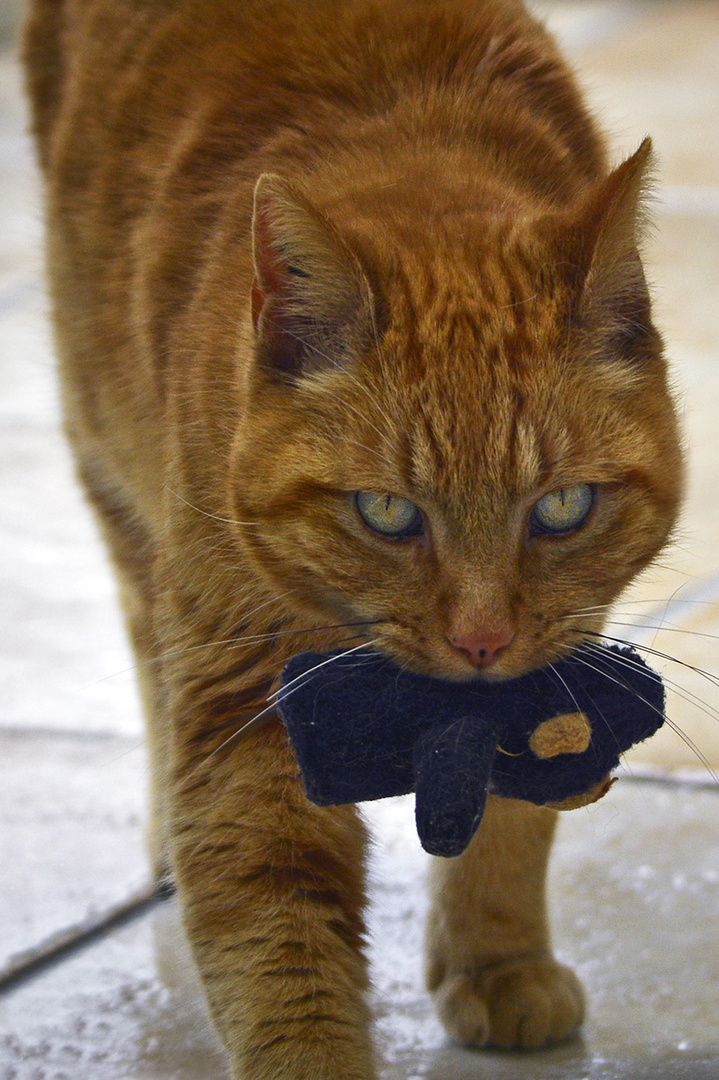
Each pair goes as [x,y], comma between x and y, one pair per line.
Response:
[614,300]
[311,302]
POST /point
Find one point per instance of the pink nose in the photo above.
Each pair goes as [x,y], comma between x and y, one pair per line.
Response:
[482,649]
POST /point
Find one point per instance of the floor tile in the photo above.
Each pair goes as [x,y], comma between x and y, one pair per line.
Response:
[636,915]
[71,836]
[108,1014]
[64,659]
[10,16]
[20,216]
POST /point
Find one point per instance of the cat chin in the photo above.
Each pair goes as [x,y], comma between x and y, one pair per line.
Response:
[456,669]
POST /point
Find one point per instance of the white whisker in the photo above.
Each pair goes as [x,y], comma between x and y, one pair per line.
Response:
[205,513]
[671,723]
[713,679]
[563,681]
[288,687]
[243,641]
[680,691]
[329,660]
[663,627]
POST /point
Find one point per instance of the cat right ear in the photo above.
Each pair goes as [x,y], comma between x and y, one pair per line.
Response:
[311,302]
[613,297]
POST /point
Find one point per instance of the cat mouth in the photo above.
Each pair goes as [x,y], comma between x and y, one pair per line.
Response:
[439,659]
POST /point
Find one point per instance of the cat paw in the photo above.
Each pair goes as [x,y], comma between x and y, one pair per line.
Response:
[524,1003]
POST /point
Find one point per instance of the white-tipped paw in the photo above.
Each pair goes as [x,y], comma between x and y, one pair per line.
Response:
[523,1003]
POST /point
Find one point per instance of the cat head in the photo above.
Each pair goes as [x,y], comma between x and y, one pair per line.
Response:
[457,426]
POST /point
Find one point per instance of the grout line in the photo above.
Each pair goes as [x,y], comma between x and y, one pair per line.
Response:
[24,967]
[70,734]
[679,778]
[34,962]
[61,946]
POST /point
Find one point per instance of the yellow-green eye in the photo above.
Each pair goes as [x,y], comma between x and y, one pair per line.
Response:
[562,511]
[390,515]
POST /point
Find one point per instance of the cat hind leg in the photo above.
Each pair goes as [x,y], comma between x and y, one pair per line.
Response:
[490,968]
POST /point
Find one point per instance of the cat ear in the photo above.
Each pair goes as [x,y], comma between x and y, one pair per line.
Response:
[311,302]
[613,302]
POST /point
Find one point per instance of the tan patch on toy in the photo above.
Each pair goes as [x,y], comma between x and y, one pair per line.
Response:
[570,733]
[598,791]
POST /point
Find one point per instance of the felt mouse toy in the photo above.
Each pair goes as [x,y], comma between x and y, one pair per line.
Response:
[364,729]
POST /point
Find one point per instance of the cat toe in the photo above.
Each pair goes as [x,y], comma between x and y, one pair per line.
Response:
[526,1003]
[463,1012]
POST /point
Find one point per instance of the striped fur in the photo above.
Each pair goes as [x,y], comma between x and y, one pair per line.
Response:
[434,289]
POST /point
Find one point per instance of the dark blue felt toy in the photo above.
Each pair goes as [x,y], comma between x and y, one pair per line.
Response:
[364,729]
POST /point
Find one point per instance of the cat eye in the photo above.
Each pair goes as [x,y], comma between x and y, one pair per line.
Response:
[562,511]
[389,515]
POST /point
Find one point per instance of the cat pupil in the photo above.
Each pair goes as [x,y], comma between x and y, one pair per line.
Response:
[389,515]
[562,511]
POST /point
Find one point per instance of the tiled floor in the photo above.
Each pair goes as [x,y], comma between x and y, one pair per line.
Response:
[635,880]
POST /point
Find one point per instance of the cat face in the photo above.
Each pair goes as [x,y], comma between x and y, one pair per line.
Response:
[467,454]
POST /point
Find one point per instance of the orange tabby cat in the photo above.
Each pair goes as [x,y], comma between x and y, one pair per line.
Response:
[355,347]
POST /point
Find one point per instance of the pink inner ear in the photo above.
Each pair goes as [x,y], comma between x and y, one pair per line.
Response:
[271,274]
[257,299]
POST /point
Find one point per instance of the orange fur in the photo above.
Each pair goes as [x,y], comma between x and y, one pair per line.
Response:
[299,250]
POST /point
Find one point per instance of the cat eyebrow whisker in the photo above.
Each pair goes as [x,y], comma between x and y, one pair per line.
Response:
[367,450]
[362,417]
[206,513]
[365,390]
[518,303]
[352,378]
[375,328]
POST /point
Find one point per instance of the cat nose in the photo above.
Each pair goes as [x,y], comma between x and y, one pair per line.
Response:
[482,647]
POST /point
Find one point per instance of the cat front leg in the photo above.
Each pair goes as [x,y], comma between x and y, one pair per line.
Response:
[490,967]
[272,893]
